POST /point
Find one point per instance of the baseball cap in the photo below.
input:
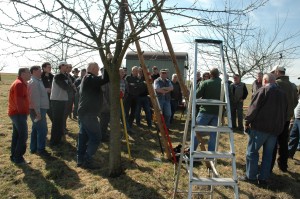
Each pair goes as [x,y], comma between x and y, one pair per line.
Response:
[279,68]
[163,70]
[62,63]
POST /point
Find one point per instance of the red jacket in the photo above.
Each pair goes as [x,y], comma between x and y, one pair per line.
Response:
[18,101]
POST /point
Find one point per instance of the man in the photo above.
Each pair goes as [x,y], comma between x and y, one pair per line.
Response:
[47,78]
[205,76]
[58,100]
[176,96]
[104,111]
[257,84]
[38,105]
[71,95]
[155,73]
[133,83]
[123,89]
[282,141]
[76,98]
[89,107]
[163,88]
[143,101]
[199,78]
[208,115]
[18,109]
[75,72]
[295,132]
[262,130]
[238,93]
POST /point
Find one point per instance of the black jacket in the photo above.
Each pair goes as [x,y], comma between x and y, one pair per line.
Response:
[268,110]
[90,93]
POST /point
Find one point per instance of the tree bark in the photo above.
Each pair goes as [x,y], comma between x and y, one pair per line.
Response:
[115,133]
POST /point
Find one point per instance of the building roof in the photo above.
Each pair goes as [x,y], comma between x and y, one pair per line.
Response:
[156,55]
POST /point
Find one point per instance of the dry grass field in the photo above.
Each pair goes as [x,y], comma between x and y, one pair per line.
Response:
[147,176]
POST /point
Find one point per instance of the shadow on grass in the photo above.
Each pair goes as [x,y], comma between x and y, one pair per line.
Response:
[61,174]
[66,150]
[134,188]
[39,185]
[286,183]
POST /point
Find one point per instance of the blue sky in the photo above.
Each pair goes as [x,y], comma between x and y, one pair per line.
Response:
[287,12]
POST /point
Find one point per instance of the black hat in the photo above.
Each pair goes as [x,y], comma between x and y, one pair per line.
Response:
[75,70]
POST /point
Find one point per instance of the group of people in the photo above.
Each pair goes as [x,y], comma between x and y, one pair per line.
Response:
[37,92]
[167,90]
[272,95]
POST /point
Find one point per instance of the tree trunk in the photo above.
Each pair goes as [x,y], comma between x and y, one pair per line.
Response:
[115,130]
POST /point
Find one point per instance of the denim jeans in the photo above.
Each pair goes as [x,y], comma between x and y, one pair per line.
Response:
[294,137]
[39,131]
[57,130]
[256,140]
[174,107]
[165,106]
[207,119]
[89,137]
[237,109]
[143,102]
[19,137]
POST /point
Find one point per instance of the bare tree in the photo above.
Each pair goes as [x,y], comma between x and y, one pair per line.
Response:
[249,49]
[100,26]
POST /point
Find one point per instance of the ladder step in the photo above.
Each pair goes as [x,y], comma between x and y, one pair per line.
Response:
[223,129]
[212,154]
[213,181]
[210,102]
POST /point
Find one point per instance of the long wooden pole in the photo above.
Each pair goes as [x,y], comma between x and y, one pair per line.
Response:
[152,94]
[170,47]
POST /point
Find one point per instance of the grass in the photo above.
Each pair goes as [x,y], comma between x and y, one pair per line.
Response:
[145,177]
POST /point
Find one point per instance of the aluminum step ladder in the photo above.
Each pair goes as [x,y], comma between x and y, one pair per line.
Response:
[214,178]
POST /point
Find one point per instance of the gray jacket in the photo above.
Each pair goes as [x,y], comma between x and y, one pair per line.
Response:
[60,87]
[38,97]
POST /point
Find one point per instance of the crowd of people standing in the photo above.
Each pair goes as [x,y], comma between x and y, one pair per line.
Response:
[85,97]
[37,92]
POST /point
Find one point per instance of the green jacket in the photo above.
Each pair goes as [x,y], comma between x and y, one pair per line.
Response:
[209,89]
[284,83]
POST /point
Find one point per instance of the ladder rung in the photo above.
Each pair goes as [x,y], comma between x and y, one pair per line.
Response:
[202,128]
[213,181]
[209,102]
[212,154]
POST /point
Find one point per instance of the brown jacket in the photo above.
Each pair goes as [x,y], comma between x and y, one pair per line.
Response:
[268,110]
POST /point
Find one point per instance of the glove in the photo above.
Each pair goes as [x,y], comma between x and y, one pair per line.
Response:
[121,95]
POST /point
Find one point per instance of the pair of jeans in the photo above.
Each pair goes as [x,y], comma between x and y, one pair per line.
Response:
[39,131]
[143,102]
[174,107]
[89,137]
[258,139]
[57,130]
[19,137]
[237,109]
[165,106]
[294,137]
[211,120]
[282,148]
